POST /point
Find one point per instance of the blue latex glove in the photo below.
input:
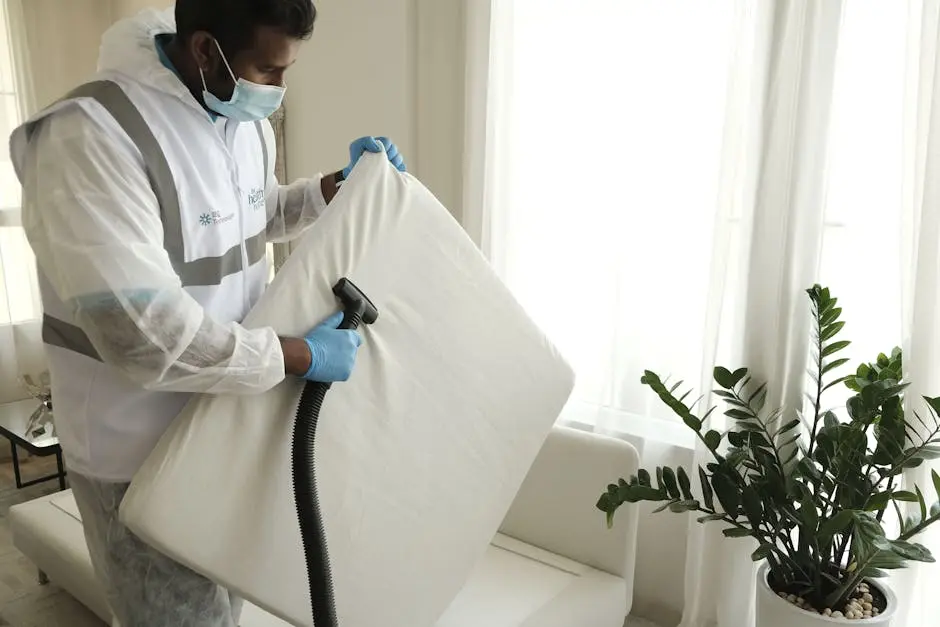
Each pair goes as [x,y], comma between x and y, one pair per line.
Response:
[373,144]
[332,351]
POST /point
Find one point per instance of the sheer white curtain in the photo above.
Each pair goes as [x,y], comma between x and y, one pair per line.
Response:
[46,48]
[920,269]
[659,182]
[20,347]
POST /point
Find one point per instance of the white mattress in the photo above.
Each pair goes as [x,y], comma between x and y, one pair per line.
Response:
[419,454]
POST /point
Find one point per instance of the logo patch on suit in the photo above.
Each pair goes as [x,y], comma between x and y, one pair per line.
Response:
[211,218]
[256,199]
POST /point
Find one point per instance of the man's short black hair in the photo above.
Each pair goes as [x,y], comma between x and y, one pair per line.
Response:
[233,22]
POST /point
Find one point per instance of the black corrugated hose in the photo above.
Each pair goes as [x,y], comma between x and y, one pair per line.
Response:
[303,467]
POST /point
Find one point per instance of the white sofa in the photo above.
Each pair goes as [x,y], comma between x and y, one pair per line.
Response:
[553,563]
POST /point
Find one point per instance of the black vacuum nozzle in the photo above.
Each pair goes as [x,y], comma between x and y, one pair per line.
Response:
[357,306]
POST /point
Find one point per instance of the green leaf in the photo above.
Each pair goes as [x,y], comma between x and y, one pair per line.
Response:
[878,501]
[923,505]
[663,507]
[727,492]
[790,425]
[736,532]
[669,479]
[739,414]
[753,508]
[836,382]
[912,551]
[834,525]
[727,379]
[808,512]
[934,404]
[808,469]
[643,476]
[830,316]
[709,518]
[832,365]
[712,440]
[692,422]
[829,332]
[762,552]
[684,484]
[936,482]
[707,494]
[724,378]
[639,493]
[679,507]
[835,347]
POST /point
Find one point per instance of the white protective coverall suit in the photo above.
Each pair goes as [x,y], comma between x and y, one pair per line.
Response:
[149,219]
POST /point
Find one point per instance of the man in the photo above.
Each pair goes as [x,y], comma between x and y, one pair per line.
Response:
[148,196]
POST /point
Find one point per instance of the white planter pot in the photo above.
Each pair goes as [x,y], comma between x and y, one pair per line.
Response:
[773,611]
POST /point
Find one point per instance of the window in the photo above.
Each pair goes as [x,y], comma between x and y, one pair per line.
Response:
[19,299]
[861,256]
[629,105]
[607,255]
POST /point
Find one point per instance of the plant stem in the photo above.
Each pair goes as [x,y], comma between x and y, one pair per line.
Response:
[846,538]
[773,546]
[913,531]
[756,416]
[819,384]
[838,597]
[881,512]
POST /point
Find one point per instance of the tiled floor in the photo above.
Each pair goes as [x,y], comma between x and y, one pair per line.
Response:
[23,601]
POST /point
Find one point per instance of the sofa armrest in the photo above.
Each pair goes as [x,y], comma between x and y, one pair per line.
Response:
[555,507]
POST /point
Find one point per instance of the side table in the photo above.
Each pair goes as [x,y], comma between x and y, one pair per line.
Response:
[14,418]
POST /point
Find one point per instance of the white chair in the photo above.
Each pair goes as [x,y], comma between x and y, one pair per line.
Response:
[553,563]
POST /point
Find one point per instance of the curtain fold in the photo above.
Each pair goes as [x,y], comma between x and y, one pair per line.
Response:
[488,85]
[20,332]
[647,219]
[50,47]
[920,270]
[778,164]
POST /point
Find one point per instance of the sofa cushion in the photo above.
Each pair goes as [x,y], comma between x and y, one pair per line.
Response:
[48,531]
[65,503]
[514,585]
[519,585]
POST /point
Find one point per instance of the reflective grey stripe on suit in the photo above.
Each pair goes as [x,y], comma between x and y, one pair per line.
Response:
[204,271]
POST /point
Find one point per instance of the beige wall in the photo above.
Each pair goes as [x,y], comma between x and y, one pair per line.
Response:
[125,8]
[63,42]
[389,67]
[376,67]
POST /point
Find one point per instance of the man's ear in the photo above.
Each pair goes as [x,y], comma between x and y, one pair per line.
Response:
[204,52]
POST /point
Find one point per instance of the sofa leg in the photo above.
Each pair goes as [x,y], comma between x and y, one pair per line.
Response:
[43,578]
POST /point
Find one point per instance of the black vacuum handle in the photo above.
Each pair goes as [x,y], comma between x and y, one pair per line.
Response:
[352,318]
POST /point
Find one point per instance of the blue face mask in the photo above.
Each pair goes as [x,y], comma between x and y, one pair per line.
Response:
[250,102]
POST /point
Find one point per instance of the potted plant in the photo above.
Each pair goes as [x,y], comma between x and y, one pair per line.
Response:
[811,493]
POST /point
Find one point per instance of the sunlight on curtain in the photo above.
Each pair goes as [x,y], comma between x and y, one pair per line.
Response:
[635,108]
[20,307]
[861,260]
[610,252]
